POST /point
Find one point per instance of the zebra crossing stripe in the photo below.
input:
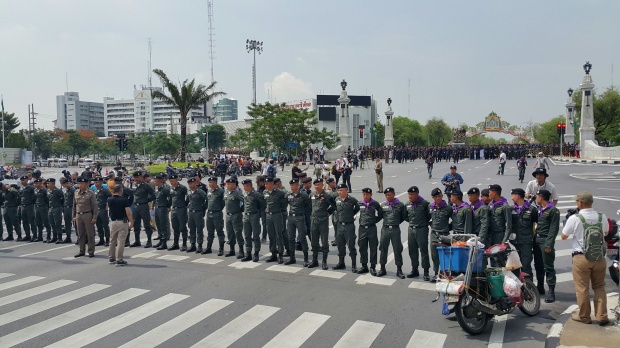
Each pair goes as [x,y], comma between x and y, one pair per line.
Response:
[169,329]
[46,250]
[298,331]
[122,321]
[360,335]
[564,277]
[6,275]
[18,282]
[427,339]
[39,307]
[54,323]
[34,291]
[237,328]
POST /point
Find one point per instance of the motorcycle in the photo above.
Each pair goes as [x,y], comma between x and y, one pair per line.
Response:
[613,242]
[475,295]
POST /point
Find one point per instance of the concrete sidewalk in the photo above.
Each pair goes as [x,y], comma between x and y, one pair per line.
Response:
[591,160]
[569,333]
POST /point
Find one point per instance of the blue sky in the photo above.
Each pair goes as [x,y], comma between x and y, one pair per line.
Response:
[464,58]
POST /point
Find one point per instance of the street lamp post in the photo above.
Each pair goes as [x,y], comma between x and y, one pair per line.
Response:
[569,137]
[254,46]
[206,134]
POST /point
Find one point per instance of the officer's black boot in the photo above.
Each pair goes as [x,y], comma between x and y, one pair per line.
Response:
[241,255]
[363,269]
[324,264]
[25,239]
[541,286]
[231,252]
[175,244]
[49,237]
[399,272]
[340,264]
[67,240]
[161,240]
[427,277]
[199,249]
[8,238]
[221,251]
[148,242]
[550,298]
[353,265]
[315,261]
[163,245]
[414,273]
[273,258]
[247,256]
[435,278]
[373,271]
[280,259]
[255,257]
[192,248]
[54,240]
[291,260]
[382,271]
[184,245]
[306,263]
[208,249]
[136,242]
[100,242]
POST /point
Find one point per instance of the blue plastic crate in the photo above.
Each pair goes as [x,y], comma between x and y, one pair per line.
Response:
[454,258]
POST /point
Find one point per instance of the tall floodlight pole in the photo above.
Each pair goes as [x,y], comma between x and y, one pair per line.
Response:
[254,46]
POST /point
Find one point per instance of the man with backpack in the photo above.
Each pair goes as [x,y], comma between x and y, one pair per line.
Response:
[547,228]
[588,228]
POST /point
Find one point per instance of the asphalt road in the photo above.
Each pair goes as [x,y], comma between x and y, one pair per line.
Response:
[174,299]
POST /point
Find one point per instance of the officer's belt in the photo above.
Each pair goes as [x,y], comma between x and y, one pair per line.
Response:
[84,212]
[197,210]
[58,206]
[418,227]
[235,213]
[273,213]
[215,211]
[367,226]
[250,213]
[40,205]
[345,223]
[179,207]
[27,204]
[296,214]
[391,226]
[162,206]
[139,204]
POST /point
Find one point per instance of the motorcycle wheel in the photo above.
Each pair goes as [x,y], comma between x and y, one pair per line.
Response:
[613,272]
[471,319]
[531,299]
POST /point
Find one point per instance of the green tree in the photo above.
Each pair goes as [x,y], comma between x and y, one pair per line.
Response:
[11,123]
[606,114]
[162,144]
[438,132]
[408,132]
[547,132]
[185,97]
[217,136]
[17,140]
[379,130]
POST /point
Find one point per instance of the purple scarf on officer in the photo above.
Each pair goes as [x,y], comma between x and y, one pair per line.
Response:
[435,206]
[392,203]
[502,201]
[549,206]
[369,203]
[456,209]
[477,205]
[520,209]
[417,201]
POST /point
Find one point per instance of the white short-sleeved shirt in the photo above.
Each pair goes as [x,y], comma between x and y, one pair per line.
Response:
[533,187]
[575,227]
[502,158]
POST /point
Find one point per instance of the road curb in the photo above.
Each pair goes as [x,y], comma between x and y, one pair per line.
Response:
[553,337]
[607,161]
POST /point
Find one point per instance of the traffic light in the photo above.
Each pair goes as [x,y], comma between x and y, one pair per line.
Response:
[563,128]
[361,133]
[125,144]
[119,143]
[559,129]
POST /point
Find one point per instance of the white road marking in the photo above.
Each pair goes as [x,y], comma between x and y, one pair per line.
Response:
[145,255]
[427,339]
[487,162]
[360,335]
[237,328]
[284,269]
[564,277]
[327,274]
[207,261]
[45,251]
[173,257]
[122,321]
[422,286]
[496,340]
[6,275]
[298,331]
[54,323]
[16,246]
[170,328]
[19,282]
[35,291]
[242,265]
[369,279]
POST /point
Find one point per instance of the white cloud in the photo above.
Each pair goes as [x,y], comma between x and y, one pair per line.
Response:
[286,87]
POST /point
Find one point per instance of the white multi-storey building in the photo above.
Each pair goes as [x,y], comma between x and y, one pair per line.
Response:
[71,113]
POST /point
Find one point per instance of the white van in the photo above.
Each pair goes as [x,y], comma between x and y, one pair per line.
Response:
[84,162]
[58,163]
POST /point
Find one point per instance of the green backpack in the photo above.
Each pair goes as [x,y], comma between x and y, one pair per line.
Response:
[594,248]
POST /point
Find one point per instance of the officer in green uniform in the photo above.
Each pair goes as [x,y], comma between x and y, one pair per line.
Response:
[234,219]
[11,207]
[1,215]
[67,210]
[332,187]
[41,208]
[197,208]
[419,217]
[441,213]
[162,206]
[524,216]
[179,201]
[215,216]
[284,212]
[346,208]
[103,220]
[323,205]
[480,212]
[274,221]
[306,186]
[370,214]
[298,201]
[56,201]
[500,226]
[143,194]
[394,213]
[462,217]
[544,249]
[253,204]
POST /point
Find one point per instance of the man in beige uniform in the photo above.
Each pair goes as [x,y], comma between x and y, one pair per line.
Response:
[379,172]
[85,212]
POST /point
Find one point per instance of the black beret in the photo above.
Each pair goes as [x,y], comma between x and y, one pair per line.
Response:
[496,188]
[118,179]
[317,181]
[260,178]
[306,180]
[231,181]
[388,190]
[413,189]
[24,177]
[247,182]
[343,186]
[367,190]
[63,180]
[136,174]
[146,174]
[38,180]
[544,193]
[191,180]
[98,179]
[435,192]
[173,176]
[268,179]
[276,180]
[294,181]
[159,177]
[452,167]
[51,180]
[518,191]
[212,178]
[484,192]
[457,192]
[82,179]
[473,191]
[330,180]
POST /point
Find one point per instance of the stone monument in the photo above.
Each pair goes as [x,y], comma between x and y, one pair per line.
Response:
[389,128]
[343,121]
[569,136]
[586,129]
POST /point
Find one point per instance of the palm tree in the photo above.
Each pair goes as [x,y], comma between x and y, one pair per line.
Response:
[185,97]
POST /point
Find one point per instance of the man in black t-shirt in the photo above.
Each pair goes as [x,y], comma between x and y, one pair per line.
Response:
[296,171]
[121,221]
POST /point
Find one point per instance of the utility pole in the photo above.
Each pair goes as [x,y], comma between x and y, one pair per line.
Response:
[33,125]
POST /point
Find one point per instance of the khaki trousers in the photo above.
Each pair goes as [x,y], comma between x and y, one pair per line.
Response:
[584,272]
[380,182]
[86,232]
[118,233]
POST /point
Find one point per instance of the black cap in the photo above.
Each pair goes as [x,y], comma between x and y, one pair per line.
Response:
[452,167]
[367,190]
[456,192]
[269,180]
[212,178]
[343,186]
[82,179]
[317,181]
[64,180]
[518,191]
[260,178]
[51,180]
[329,180]
[38,180]
[435,192]
[540,171]
[137,174]
[277,180]
[173,176]
[231,181]
[146,175]
[473,191]
[191,180]
[546,195]
[389,189]
[306,180]
[247,182]
[484,192]
[413,189]
[294,181]
[118,179]
[23,177]
[496,188]
[98,179]
[159,177]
